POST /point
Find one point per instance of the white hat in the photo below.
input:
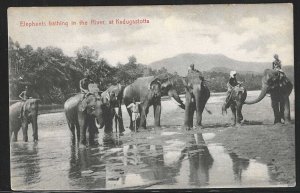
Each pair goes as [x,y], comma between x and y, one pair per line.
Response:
[232,73]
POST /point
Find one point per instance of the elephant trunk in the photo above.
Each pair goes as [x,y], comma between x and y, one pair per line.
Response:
[98,125]
[262,94]
[175,97]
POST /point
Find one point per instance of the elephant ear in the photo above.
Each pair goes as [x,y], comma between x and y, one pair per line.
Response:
[83,105]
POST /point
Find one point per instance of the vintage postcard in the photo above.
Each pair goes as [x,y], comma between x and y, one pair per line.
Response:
[151,97]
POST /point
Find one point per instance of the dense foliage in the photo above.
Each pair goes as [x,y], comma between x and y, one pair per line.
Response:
[53,77]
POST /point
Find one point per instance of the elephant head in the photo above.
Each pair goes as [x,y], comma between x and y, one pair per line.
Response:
[114,95]
[93,105]
[29,114]
[273,83]
[167,83]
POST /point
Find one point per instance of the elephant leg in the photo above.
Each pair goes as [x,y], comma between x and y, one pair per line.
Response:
[157,114]
[281,109]
[108,125]
[83,126]
[35,129]
[25,129]
[92,131]
[287,112]
[199,108]
[187,112]
[275,106]
[120,120]
[14,135]
[131,122]
[143,121]
[77,131]
[233,110]
[191,114]
[116,123]
[72,129]
[239,112]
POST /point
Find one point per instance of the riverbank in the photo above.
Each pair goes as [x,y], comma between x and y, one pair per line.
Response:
[273,145]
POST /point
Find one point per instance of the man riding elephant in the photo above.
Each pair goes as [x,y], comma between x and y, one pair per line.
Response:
[230,86]
[236,95]
[84,83]
[29,112]
[85,115]
[113,97]
[196,96]
[279,90]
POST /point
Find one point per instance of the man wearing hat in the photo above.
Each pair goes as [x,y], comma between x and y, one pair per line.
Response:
[230,85]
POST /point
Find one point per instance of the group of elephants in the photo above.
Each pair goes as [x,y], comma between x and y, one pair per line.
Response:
[99,110]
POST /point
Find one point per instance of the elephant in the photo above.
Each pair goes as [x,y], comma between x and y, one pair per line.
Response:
[21,114]
[148,91]
[236,100]
[197,94]
[279,87]
[85,114]
[113,97]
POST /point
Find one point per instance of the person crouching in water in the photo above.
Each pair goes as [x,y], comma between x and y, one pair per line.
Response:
[230,85]
[135,113]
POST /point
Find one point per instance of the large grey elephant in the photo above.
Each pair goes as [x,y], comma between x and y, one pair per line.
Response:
[197,94]
[236,100]
[20,115]
[85,115]
[148,91]
[279,87]
[113,97]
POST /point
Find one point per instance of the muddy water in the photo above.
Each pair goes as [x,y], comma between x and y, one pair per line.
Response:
[166,158]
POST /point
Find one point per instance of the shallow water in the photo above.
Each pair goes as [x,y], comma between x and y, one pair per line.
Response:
[167,158]
[171,160]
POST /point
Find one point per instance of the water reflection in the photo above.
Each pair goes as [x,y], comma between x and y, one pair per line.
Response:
[134,162]
[238,166]
[28,162]
[156,170]
[200,160]
[81,168]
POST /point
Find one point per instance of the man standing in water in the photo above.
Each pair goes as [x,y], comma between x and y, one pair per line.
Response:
[134,108]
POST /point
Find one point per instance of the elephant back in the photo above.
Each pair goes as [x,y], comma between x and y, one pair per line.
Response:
[15,108]
[72,102]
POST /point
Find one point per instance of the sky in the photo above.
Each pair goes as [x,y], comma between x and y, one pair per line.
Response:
[253,32]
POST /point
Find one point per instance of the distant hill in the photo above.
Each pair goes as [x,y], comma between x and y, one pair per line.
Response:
[208,62]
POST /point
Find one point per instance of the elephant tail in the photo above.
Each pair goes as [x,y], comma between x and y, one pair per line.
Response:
[208,111]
